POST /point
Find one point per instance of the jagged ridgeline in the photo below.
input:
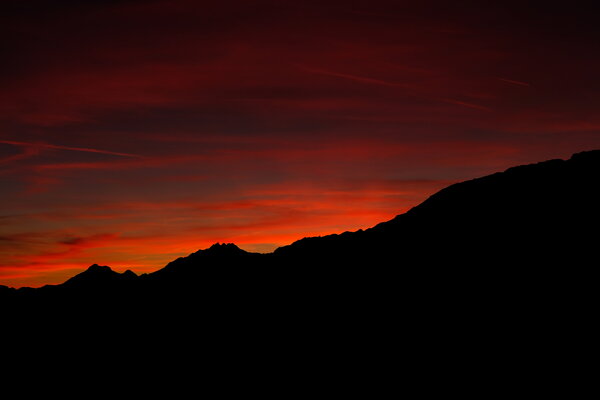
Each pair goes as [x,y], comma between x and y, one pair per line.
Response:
[529,226]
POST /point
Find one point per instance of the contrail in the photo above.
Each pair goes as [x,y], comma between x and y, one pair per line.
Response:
[463,103]
[68,148]
[410,89]
[512,81]
[357,78]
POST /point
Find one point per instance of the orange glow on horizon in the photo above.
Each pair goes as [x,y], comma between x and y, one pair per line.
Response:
[129,147]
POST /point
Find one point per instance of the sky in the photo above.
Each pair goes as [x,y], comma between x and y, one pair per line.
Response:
[136,132]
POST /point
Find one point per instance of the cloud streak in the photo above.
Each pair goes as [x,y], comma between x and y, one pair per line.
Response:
[410,89]
[361,79]
[514,82]
[37,146]
[28,152]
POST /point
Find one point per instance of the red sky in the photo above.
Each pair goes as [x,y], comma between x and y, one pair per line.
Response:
[135,132]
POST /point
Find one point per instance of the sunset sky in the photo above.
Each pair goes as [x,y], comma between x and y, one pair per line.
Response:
[135,132]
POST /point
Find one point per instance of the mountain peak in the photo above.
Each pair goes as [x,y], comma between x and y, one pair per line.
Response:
[223,249]
[218,245]
[98,269]
[129,274]
[220,251]
[99,275]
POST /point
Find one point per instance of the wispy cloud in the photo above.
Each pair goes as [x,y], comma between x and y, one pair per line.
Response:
[362,79]
[29,145]
[27,152]
[464,103]
[412,90]
[514,82]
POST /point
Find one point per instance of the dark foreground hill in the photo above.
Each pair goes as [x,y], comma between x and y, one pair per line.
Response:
[521,231]
[487,286]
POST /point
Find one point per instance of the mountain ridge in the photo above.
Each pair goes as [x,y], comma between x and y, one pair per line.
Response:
[479,210]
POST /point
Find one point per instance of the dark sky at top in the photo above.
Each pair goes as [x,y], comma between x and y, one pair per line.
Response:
[134,132]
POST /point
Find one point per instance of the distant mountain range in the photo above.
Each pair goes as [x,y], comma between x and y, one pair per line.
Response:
[501,237]
[487,284]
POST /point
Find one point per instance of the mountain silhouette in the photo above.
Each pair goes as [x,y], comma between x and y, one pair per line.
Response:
[526,213]
[498,240]
[487,280]
[98,276]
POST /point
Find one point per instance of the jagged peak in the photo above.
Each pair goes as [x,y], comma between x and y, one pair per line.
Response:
[217,248]
[129,273]
[222,249]
[218,245]
[99,274]
[95,268]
